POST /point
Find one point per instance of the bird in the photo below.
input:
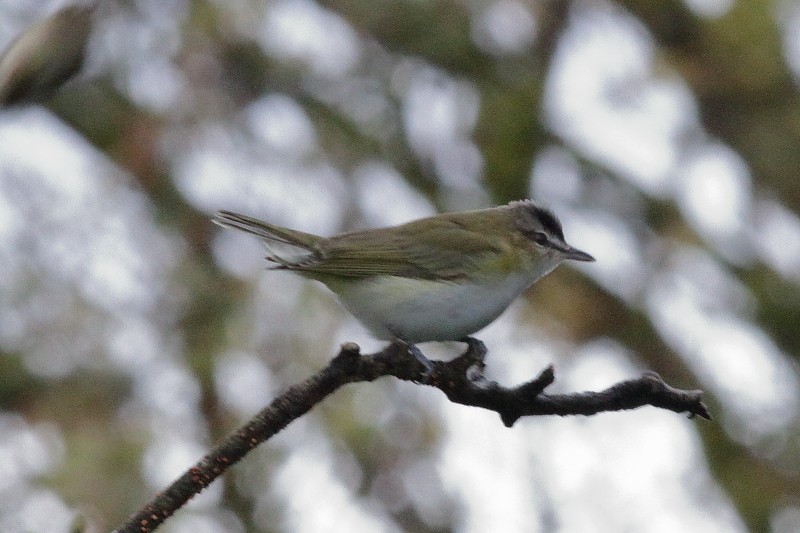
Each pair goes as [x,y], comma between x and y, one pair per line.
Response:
[47,54]
[440,278]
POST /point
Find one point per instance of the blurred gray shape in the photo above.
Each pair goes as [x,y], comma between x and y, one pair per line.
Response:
[47,54]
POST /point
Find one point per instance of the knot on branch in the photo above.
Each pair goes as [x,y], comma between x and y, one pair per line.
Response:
[348,359]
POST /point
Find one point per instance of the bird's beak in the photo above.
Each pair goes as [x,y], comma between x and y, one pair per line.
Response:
[575,254]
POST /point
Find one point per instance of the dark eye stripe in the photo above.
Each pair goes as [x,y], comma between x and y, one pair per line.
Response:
[549,221]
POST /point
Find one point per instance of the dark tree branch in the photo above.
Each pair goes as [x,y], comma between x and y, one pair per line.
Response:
[461,379]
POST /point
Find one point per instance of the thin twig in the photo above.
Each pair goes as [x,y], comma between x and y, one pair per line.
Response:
[461,379]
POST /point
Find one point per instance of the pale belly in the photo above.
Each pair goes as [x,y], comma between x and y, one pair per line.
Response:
[417,310]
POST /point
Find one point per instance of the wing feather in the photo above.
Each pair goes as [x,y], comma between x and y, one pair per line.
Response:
[434,248]
[287,247]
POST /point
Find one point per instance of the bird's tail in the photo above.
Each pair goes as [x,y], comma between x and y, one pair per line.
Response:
[287,247]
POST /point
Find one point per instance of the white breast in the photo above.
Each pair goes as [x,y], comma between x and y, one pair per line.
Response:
[417,310]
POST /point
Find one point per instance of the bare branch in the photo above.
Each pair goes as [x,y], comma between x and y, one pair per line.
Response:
[461,379]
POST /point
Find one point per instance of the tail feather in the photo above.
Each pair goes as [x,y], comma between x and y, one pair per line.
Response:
[302,246]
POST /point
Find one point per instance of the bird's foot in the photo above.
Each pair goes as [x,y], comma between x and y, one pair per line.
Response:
[419,357]
[476,349]
[471,362]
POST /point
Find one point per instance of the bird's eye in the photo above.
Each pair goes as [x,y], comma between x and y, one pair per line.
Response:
[538,237]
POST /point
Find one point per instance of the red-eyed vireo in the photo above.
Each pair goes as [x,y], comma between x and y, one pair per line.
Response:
[439,278]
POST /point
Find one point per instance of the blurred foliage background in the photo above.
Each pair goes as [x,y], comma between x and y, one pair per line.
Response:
[134,333]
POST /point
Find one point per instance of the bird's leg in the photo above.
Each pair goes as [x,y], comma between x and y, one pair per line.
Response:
[420,358]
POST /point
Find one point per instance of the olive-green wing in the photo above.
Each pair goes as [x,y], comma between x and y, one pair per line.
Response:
[433,248]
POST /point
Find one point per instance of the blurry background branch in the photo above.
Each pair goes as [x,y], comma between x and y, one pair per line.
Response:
[461,379]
